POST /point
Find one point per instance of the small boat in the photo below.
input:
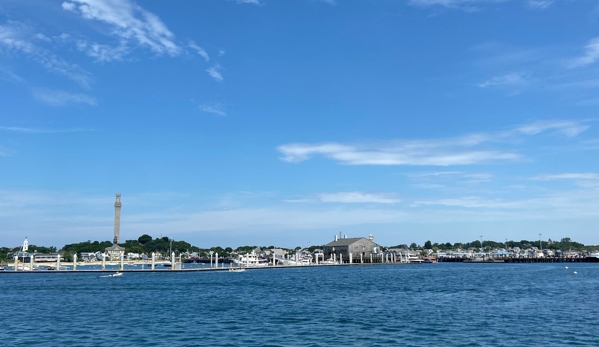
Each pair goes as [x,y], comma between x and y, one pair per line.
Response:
[1,268]
[236,270]
[166,264]
[116,274]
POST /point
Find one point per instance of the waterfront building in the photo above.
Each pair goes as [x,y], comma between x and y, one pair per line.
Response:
[46,258]
[89,256]
[114,252]
[356,246]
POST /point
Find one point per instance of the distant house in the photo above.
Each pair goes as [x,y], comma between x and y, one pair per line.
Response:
[89,256]
[114,252]
[355,246]
[46,258]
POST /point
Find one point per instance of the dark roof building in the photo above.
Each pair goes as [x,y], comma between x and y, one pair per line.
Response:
[355,246]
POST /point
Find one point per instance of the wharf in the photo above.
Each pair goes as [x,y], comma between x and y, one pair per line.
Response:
[212,269]
[520,260]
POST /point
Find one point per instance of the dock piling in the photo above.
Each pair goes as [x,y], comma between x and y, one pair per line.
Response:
[153,260]
[74,262]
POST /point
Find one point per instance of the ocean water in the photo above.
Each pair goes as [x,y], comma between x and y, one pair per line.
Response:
[384,305]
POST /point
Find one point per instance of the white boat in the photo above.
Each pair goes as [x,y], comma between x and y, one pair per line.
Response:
[250,260]
[237,270]
[327,262]
[116,274]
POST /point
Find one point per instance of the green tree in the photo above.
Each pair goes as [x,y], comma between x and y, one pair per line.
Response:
[428,244]
[145,238]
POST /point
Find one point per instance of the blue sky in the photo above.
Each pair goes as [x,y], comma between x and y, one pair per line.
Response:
[285,122]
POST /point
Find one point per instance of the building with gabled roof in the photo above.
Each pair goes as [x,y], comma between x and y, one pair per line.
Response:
[355,246]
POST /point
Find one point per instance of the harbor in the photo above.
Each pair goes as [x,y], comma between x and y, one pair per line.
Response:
[147,254]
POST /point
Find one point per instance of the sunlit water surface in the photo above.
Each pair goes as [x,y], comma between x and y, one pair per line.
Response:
[386,305]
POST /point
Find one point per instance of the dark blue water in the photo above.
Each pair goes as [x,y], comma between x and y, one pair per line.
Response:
[404,305]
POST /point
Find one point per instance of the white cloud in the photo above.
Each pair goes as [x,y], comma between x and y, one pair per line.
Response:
[17,37]
[464,4]
[200,50]
[254,2]
[591,55]
[41,131]
[511,79]
[214,73]
[539,4]
[221,52]
[469,176]
[215,109]
[433,152]
[358,197]
[568,176]
[406,153]
[129,21]
[42,37]
[9,75]
[61,98]
[567,128]
[103,52]
[69,6]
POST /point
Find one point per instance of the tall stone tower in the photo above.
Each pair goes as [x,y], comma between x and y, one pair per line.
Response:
[117,219]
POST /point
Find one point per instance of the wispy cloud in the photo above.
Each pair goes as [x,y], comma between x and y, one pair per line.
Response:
[7,74]
[214,72]
[61,98]
[103,52]
[199,50]
[568,176]
[129,21]
[470,176]
[215,109]
[539,4]
[358,197]
[407,153]
[42,131]
[18,37]
[254,2]
[473,5]
[591,55]
[458,4]
[548,69]
[567,128]
[510,79]
[463,150]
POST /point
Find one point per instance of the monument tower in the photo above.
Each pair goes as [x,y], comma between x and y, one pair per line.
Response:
[117,219]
